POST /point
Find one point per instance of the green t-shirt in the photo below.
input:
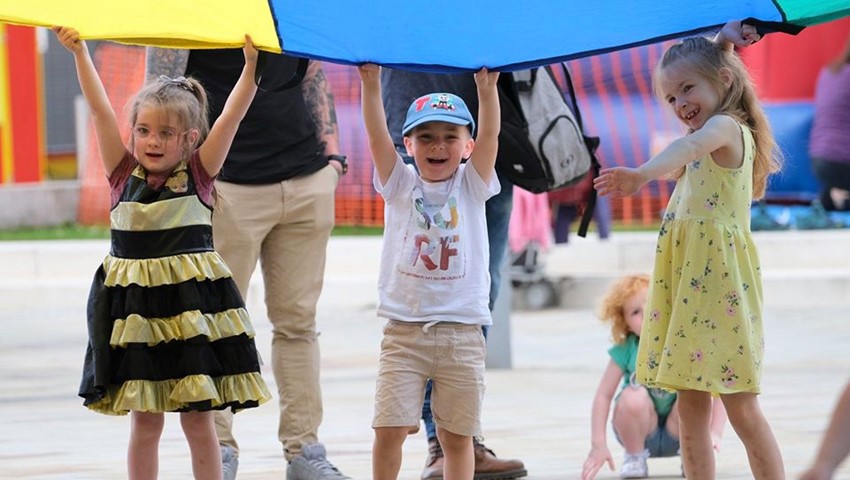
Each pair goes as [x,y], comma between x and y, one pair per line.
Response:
[625,356]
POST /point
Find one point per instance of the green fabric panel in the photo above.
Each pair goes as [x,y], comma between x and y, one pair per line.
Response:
[812,12]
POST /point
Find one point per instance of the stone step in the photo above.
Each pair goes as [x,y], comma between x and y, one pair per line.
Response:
[800,268]
[635,251]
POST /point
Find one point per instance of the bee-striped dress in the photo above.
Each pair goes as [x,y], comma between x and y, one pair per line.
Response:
[168,329]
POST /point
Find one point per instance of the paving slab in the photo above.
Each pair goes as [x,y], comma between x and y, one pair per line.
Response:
[537,411]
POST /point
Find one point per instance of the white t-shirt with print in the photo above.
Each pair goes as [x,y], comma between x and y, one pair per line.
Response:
[435,256]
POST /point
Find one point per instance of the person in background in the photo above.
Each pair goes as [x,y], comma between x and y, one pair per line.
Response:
[835,444]
[829,143]
[645,420]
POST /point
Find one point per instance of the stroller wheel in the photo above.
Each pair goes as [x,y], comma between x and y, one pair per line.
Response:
[540,294]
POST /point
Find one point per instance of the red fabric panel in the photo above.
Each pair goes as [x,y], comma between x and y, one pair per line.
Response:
[786,67]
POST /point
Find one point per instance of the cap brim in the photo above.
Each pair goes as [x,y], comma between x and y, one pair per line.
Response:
[435,118]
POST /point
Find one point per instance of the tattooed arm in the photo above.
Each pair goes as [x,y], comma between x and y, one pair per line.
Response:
[165,61]
[320,103]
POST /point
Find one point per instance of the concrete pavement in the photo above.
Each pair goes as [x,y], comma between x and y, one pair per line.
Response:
[537,411]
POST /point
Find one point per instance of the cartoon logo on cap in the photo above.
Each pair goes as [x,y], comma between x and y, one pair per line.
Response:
[443,102]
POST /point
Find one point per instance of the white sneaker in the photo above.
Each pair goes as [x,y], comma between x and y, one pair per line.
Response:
[229,462]
[634,465]
[313,464]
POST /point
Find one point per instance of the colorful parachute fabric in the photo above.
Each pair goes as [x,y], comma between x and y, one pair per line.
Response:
[433,35]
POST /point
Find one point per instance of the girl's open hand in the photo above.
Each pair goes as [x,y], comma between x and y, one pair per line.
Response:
[597,457]
[618,181]
[69,38]
[369,72]
[485,79]
[249,50]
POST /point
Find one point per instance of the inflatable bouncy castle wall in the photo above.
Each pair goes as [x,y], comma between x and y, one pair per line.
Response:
[615,95]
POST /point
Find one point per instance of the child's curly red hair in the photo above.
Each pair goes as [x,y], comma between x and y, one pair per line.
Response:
[611,308]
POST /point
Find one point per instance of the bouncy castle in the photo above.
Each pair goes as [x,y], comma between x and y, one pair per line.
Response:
[614,91]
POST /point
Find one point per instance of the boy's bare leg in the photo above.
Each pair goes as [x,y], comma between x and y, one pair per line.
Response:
[386,452]
[459,455]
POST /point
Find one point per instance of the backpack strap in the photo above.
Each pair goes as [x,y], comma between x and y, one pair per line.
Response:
[592,144]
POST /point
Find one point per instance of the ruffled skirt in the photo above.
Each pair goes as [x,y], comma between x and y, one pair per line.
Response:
[169,335]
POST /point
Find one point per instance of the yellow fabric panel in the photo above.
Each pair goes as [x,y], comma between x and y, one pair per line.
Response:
[161,215]
[153,272]
[138,329]
[164,23]
[172,395]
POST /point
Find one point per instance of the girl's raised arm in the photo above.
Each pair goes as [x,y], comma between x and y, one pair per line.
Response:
[109,140]
[214,150]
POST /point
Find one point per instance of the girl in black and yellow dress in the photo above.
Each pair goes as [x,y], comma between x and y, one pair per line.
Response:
[168,330]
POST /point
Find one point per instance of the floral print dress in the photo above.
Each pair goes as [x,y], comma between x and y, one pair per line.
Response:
[703,324]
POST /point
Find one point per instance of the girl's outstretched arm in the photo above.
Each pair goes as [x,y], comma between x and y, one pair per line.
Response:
[599,454]
[489,123]
[214,149]
[109,140]
[720,131]
[381,144]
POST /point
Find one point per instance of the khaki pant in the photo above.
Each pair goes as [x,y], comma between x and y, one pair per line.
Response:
[285,226]
[451,355]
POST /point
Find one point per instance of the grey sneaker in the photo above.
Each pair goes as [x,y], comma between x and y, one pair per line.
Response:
[313,464]
[229,462]
[634,465]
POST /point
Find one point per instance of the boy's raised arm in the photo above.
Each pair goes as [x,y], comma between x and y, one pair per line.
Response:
[381,144]
[483,157]
[109,140]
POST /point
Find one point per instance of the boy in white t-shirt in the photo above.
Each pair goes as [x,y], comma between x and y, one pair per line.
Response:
[434,284]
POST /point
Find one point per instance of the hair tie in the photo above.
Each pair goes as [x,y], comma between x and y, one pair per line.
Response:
[179,82]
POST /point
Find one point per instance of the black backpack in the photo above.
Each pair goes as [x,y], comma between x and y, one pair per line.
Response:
[542,145]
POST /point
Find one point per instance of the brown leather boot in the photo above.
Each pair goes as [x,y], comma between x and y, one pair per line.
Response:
[488,467]
[434,463]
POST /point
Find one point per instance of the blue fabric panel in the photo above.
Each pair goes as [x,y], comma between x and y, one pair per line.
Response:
[450,35]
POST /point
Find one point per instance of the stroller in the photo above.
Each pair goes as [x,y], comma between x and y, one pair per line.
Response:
[529,237]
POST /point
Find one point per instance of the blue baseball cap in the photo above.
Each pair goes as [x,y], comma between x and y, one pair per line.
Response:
[438,107]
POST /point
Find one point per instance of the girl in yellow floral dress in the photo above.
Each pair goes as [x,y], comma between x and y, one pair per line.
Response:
[168,329]
[702,332]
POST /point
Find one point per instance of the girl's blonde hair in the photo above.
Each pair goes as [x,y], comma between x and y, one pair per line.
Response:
[611,308]
[709,60]
[185,98]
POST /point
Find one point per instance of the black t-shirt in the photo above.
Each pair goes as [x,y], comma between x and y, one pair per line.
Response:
[276,140]
[400,88]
